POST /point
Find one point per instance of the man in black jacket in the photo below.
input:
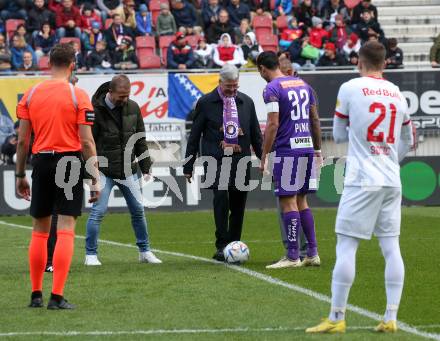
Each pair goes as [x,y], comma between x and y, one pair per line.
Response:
[119,127]
[229,131]
[223,25]
[37,16]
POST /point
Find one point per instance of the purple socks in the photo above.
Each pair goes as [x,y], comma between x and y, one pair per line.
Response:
[292,227]
[308,226]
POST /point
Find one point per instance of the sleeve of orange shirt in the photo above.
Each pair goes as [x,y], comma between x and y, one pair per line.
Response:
[22,107]
[86,114]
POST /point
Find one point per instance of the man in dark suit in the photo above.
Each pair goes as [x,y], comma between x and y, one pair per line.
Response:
[228,122]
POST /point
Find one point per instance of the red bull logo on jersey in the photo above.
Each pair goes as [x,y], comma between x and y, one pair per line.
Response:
[381,92]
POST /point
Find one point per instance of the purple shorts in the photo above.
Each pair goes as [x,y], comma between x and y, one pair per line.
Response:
[294,174]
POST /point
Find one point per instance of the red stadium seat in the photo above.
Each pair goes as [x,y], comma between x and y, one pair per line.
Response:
[193,40]
[262,25]
[70,39]
[282,23]
[164,42]
[148,61]
[43,63]
[108,23]
[11,26]
[154,7]
[269,42]
[146,43]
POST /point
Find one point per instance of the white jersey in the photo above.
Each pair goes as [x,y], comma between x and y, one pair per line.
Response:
[376,110]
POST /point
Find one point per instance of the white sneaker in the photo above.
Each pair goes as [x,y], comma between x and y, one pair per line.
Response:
[92,260]
[148,257]
[285,263]
[311,261]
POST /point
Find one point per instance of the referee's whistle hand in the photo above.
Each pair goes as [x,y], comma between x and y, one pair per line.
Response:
[94,196]
[23,188]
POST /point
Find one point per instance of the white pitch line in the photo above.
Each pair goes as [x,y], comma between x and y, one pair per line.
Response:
[164,331]
[266,278]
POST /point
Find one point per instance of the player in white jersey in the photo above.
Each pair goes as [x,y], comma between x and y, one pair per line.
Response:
[372,115]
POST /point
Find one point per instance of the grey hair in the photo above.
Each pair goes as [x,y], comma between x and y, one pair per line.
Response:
[229,72]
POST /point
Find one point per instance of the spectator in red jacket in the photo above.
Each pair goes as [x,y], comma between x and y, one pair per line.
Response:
[291,33]
[317,34]
[68,20]
[340,33]
[227,53]
[89,16]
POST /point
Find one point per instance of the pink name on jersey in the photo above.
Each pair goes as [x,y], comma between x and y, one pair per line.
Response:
[380,150]
[380,92]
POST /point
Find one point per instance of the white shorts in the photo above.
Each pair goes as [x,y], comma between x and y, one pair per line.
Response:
[362,212]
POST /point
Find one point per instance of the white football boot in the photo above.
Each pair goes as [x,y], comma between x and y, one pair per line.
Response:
[148,257]
[285,263]
[311,261]
[92,260]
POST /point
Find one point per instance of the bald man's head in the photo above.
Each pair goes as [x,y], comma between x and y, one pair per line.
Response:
[286,67]
[119,90]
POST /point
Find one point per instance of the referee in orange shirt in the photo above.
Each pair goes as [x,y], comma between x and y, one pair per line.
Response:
[60,116]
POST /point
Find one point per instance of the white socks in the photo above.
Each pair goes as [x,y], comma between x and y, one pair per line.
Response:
[343,275]
[394,275]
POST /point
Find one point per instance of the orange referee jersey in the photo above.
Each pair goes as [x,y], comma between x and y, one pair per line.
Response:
[55,108]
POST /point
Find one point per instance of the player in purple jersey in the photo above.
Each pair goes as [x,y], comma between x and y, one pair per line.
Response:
[293,133]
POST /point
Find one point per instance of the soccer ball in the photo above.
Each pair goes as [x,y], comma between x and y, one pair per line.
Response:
[236,252]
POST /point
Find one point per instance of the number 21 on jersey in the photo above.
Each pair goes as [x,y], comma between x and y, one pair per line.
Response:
[381,109]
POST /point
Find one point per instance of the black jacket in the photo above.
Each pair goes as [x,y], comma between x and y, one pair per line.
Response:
[37,17]
[95,59]
[216,30]
[326,61]
[111,134]
[208,121]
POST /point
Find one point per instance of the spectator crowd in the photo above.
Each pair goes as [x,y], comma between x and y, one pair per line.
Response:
[188,34]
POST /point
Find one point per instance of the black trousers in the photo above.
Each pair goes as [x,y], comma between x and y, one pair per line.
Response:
[229,206]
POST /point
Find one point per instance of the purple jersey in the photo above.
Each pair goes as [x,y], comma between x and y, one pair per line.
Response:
[292,98]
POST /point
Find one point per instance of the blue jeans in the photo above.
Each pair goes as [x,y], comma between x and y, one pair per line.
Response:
[131,191]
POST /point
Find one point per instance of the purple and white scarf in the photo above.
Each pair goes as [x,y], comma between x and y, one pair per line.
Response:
[231,124]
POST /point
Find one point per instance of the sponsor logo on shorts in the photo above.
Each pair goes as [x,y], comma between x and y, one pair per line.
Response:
[301,142]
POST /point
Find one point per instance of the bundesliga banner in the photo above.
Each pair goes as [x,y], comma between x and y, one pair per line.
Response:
[169,190]
[166,99]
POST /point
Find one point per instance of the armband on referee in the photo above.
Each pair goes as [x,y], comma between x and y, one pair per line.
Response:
[20,175]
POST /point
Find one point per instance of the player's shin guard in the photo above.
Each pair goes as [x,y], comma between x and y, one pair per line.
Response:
[308,227]
[37,259]
[292,227]
[61,260]
[394,275]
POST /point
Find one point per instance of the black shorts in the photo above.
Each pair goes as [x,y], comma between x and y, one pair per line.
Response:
[47,196]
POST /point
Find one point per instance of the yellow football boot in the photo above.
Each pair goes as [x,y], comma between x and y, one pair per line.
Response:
[389,327]
[328,326]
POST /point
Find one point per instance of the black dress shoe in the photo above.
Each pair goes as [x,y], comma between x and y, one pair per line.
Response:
[36,302]
[55,304]
[219,256]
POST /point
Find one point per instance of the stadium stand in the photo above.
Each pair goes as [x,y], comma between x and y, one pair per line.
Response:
[414,23]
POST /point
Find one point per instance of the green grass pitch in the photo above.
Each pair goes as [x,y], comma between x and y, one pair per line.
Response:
[191,299]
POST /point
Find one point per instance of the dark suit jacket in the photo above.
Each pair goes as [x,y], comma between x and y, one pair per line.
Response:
[207,124]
